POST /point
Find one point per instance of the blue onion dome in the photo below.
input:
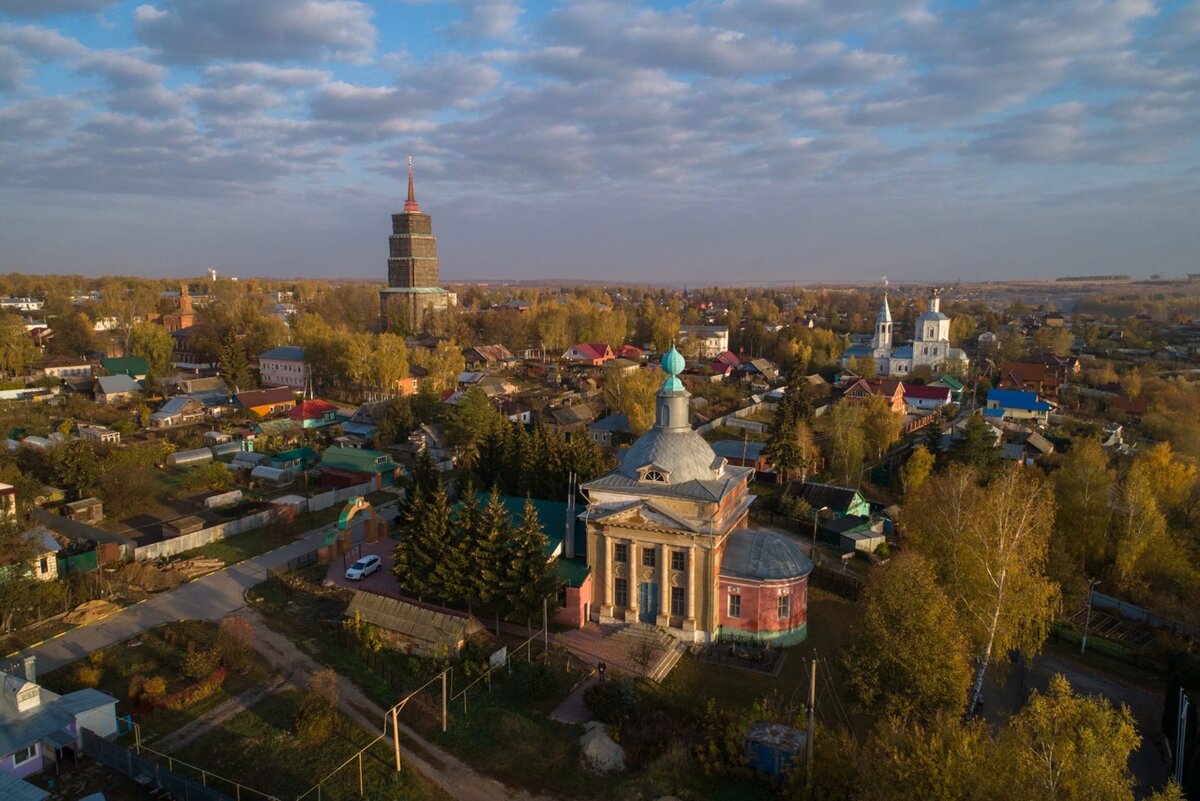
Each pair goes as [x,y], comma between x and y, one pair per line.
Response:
[672,362]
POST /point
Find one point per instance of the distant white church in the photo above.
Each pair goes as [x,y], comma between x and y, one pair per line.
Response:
[930,347]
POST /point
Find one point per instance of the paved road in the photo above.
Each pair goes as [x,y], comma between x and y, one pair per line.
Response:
[209,598]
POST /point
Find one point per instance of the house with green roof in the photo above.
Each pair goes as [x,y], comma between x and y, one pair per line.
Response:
[136,367]
[345,467]
[953,384]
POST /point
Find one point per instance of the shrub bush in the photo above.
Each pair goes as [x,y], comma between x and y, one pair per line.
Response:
[235,642]
[197,692]
[147,689]
[200,662]
[87,674]
[611,701]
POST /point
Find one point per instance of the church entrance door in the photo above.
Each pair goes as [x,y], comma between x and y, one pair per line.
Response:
[648,601]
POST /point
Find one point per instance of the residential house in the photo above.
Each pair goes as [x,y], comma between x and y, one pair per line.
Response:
[345,467]
[180,410]
[516,411]
[611,431]
[724,363]
[283,367]
[623,365]
[1029,449]
[185,346]
[711,339]
[757,371]
[1013,404]
[839,500]
[264,402]
[39,728]
[63,367]
[296,460]
[365,420]
[43,563]
[630,352]
[136,367]
[890,389]
[592,354]
[113,389]
[495,386]
[951,383]
[925,397]
[483,356]
[428,437]
[852,533]
[1044,379]
[744,453]
[98,435]
[314,413]
[571,419]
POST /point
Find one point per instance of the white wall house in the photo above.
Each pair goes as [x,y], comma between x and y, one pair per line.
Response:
[283,367]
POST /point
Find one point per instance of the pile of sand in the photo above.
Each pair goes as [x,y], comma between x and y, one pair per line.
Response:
[146,577]
[90,612]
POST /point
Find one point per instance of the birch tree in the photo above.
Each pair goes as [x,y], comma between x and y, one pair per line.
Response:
[989,546]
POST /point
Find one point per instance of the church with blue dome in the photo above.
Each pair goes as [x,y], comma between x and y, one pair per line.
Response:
[668,543]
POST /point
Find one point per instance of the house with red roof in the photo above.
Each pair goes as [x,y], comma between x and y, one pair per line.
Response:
[592,354]
[631,352]
[314,413]
[922,396]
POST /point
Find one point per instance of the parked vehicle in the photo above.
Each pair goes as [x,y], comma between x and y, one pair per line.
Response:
[363,568]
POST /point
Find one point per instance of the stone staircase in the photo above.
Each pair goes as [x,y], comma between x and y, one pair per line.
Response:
[655,647]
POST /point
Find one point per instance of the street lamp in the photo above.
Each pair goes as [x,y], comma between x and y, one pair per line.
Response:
[816,517]
[1088,617]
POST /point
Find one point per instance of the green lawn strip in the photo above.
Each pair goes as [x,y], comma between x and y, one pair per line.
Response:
[151,655]
[258,748]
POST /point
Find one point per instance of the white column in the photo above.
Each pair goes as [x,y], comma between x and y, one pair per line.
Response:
[689,623]
[664,586]
[606,608]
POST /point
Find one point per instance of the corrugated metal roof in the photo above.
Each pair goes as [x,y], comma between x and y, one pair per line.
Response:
[414,622]
[285,353]
[763,556]
[14,789]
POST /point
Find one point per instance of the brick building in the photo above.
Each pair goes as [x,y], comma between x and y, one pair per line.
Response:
[413,271]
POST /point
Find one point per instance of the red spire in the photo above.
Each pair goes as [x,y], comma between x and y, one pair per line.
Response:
[410,205]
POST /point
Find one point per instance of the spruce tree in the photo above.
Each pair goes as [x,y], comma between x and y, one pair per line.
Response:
[491,542]
[452,572]
[530,575]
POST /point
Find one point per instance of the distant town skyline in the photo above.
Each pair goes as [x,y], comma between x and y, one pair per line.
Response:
[707,142]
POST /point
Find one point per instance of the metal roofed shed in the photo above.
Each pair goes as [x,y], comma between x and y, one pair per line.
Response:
[225,448]
[184,525]
[14,789]
[194,456]
[412,628]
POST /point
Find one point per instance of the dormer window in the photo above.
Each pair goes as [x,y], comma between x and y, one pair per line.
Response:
[654,475]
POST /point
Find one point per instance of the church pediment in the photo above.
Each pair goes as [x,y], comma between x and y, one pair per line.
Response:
[643,514]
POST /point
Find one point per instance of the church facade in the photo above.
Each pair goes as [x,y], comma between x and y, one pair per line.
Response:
[667,541]
[413,269]
[930,346]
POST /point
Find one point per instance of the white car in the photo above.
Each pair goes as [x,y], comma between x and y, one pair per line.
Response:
[363,568]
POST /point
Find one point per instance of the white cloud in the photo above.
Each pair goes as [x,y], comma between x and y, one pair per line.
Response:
[200,31]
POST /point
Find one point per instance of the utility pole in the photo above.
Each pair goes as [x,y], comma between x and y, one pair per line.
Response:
[1181,736]
[1087,619]
[812,716]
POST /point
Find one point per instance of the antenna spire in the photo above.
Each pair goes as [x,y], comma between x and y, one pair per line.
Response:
[410,205]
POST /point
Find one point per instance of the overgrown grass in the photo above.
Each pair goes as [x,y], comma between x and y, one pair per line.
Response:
[151,654]
[258,747]
[831,622]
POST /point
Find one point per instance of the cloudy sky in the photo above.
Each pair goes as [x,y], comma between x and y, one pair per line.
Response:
[706,141]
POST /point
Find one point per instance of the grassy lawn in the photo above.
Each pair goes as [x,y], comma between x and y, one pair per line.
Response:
[263,736]
[831,621]
[152,654]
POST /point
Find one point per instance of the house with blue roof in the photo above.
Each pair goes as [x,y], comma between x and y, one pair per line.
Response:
[38,727]
[1017,405]
[283,367]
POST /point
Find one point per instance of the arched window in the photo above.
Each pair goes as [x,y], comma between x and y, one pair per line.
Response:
[654,475]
